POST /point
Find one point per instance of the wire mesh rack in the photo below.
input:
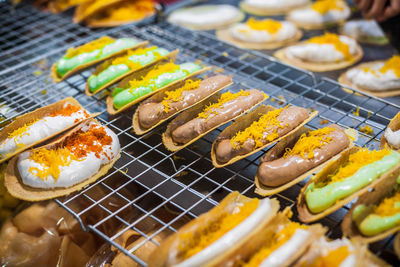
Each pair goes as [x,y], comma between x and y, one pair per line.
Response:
[150,190]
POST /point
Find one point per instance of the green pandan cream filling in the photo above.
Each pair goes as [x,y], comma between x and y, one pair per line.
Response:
[321,197]
[98,49]
[379,218]
[157,78]
[134,59]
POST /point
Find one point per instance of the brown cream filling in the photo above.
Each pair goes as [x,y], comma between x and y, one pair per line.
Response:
[152,113]
[290,118]
[283,170]
[227,112]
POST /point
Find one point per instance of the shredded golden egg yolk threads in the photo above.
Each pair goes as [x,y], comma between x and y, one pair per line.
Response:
[21,130]
[89,47]
[212,109]
[257,129]
[273,243]
[392,64]
[129,10]
[75,147]
[191,244]
[333,259]
[133,65]
[154,73]
[176,95]
[308,142]
[356,161]
[324,6]
[52,159]
[269,25]
[333,39]
[388,206]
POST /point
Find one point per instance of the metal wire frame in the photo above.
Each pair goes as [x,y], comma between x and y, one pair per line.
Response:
[147,177]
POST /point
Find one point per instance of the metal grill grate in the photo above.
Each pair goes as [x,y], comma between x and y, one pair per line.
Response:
[148,179]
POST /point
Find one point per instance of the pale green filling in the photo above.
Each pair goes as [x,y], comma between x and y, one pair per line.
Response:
[65,65]
[115,71]
[123,96]
[319,199]
[374,224]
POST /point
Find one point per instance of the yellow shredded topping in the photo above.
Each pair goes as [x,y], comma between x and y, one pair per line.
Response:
[21,130]
[154,73]
[129,10]
[51,160]
[269,25]
[191,244]
[324,6]
[225,97]
[310,141]
[333,39]
[257,129]
[273,243]
[89,47]
[388,206]
[366,129]
[356,161]
[134,65]
[176,95]
[333,259]
[392,64]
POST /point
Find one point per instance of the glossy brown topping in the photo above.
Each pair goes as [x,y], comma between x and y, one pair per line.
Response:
[290,166]
[212,117]
[151,113]
[287,119]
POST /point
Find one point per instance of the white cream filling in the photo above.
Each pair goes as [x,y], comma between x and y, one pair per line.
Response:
[310,16]
[40,130]
[284,252]
[243,32]
[208,15]
[275,4]
[393,137]
[72,174]
[363,28]
[323,53]
[350,261]
[230,238]
[377,81]
[325,247]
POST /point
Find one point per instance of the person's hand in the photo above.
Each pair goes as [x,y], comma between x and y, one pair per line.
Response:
[378,9]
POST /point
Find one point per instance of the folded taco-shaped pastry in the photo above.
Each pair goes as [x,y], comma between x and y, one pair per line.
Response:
[35,127]
[112,13]
[165,104]
[380,78]
[255,131]
[364,31]
[208,115]
[376,214]
[338,252]
[322,53]
[320,14]
[297,156]
[69,163]
[281,243]
[207,239]
[271,7]
[142,84]
[260,34]
[391,137]
[116,68]
[206,17]
[81,57]
[352,174]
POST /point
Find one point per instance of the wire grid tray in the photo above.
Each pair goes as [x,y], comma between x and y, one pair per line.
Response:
[150,190]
